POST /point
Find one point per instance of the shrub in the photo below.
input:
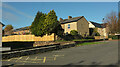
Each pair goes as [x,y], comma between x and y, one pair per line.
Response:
[68,37]
[78,37]
[27,33]
[113,36]
[97,34]
[94,31]
[90,37]
[73,32]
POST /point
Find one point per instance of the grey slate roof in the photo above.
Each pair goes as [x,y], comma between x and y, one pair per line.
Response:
[71,20]
[2,24]
[97,24]
[23,28]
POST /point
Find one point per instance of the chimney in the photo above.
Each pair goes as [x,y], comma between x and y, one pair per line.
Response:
[60,19]
[69,17]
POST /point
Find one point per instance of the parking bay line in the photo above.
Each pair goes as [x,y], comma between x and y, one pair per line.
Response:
[18,59]
[44,59]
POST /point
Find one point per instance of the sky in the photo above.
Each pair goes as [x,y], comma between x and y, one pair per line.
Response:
[21,14]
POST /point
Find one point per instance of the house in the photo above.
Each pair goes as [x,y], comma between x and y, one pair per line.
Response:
[106,26]
[1,25]
[76,23]
[21,31]
[101,29]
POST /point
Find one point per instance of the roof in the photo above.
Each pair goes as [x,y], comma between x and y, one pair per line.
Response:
[23,28]
[97,24]
[71,20]
[2,24]
[105,24]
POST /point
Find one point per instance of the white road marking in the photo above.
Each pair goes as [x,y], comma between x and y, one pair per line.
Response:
[27,58]
[18,59]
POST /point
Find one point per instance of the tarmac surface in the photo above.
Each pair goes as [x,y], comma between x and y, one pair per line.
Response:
[96,54]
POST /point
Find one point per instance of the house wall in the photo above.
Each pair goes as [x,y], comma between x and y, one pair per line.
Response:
[83,27]
[63,26]
[102,32]
[73,26]
[91,25]
[0,35]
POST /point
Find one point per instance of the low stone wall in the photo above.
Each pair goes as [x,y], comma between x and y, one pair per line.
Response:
[110,39]
[42,43]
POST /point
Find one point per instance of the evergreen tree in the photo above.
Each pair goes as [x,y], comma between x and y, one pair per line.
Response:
[51,22]
[46,24]
[58,30]
[37,26]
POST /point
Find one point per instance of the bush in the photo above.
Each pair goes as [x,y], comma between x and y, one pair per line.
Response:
[78,37]
[90,37]
[27,33]
[113,36]
[97,34]
[73,32]
[68,37]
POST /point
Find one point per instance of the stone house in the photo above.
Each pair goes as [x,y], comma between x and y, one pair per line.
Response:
[22,31]
[100,29]
[76,23]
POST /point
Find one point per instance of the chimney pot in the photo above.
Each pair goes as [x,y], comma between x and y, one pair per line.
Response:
[69,17]
[60,19]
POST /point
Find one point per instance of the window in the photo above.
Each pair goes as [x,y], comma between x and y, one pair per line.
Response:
[68,26]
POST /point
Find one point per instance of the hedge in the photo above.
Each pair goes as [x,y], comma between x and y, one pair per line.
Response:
[113,37]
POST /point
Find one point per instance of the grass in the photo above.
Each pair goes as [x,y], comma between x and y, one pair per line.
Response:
[82,39]
[73,40]
[61,41]
[90,43]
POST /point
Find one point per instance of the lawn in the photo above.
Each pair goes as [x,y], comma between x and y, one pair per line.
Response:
[73,40]
[61,41]
[82,39]
[90,43]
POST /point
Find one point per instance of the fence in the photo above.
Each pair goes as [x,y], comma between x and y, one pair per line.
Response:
[28,38]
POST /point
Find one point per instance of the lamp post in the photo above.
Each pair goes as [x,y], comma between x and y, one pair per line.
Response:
[103,30]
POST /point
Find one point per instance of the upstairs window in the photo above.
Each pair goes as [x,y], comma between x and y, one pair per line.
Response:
[68,26]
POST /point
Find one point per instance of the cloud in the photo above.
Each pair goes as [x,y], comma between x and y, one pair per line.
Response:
[15,10]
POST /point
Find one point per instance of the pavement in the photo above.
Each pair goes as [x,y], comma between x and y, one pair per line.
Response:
[97,54]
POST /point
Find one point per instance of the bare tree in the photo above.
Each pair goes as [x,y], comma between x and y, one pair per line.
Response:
[118,22]
[112,22]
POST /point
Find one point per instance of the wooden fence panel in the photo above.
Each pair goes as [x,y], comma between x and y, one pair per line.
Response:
[28,38]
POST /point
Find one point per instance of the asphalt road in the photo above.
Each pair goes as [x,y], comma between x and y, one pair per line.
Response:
[99,54]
